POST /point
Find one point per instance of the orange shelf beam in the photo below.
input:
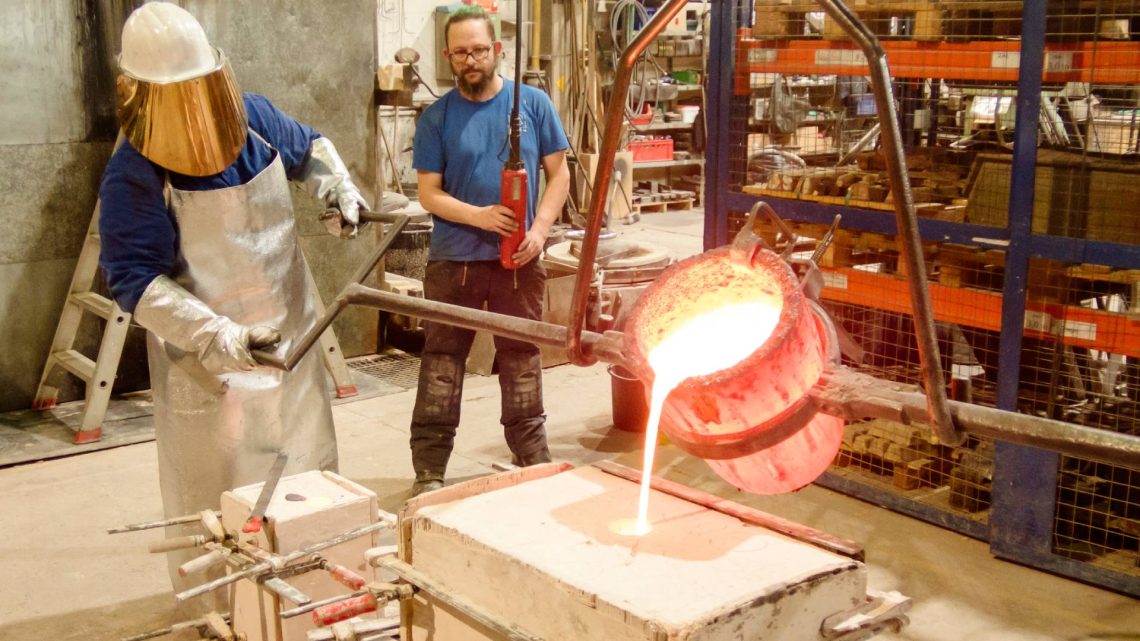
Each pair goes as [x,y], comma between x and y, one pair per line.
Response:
[1075,326]
[985,61]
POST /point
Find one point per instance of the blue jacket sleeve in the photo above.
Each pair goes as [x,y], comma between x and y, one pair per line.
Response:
[291,138]
[138,235]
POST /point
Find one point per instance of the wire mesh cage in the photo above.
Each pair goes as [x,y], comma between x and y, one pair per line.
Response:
[804,129]
[1081,365]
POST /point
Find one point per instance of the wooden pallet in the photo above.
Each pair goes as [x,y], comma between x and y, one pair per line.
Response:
[919,19]
[886,447]
[945,19]
[658,206]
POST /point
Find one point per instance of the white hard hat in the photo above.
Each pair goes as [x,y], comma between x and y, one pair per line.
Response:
[163,42]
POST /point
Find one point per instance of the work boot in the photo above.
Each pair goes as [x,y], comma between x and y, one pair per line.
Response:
[426,482]
[534,458]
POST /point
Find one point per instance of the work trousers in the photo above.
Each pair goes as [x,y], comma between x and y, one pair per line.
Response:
[435,418]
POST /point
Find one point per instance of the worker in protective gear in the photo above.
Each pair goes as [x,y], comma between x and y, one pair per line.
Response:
[198,242]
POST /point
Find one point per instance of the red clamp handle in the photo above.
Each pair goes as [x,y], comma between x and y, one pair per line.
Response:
[343,610]
[346,577]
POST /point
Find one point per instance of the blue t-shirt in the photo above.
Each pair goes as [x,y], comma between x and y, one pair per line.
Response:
[467,143]
[139,235]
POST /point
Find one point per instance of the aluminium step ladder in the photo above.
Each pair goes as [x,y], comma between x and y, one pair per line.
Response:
[98,374]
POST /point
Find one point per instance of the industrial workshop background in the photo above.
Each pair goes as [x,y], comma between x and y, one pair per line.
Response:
[1020,122]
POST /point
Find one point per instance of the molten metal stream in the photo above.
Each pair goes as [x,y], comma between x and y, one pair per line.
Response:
[704,345]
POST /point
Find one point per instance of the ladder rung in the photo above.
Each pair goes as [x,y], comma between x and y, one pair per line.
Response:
[76,363]
[94,303]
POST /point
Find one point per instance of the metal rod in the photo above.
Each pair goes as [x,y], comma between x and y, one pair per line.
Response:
[286,591]
[607,347]
[853,395]
[149,525]
[184,625]
[859,145]
[603,174]
[501,629]
[910,243]
[304,609]
[359,628]
[873,397]
[286,559]
[310,338]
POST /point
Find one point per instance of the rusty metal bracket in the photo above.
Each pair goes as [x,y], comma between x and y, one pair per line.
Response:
[611,135]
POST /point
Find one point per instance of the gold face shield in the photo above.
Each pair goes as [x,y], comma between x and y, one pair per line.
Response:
[195,127]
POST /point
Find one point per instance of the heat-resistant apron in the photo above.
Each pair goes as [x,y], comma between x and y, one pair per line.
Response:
[240,254]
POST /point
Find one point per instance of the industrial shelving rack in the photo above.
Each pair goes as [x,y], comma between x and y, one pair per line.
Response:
[1035,292]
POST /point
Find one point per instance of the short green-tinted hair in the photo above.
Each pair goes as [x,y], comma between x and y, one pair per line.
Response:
[468,12]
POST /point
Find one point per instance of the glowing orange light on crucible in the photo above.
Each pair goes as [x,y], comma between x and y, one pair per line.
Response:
[739,347]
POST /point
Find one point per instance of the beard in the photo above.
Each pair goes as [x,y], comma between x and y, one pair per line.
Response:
[486,75]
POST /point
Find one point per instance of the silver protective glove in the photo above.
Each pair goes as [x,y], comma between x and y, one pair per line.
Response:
[182,320]
[326,178]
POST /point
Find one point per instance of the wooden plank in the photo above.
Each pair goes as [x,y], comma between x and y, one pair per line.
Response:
[646,207]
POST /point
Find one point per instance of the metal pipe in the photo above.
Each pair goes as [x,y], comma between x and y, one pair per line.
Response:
[607,347]
[842,392]
[310,338]
[296,555]
[361,630]
[305,609]
[910,243]
[535,34]
[177,627]
[859,145]
[853,395]
[602,175]
[190,518]
[499,628]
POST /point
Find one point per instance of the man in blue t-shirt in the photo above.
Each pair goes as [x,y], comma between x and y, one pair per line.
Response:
[459,151]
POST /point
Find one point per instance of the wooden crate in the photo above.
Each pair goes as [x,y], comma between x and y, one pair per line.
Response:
[541,554]
[949,19]
[1073,196]
[922,19]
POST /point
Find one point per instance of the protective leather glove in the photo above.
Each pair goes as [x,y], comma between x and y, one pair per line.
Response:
[183,321]
[326,178]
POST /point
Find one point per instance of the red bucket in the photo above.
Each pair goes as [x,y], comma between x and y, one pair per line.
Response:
[628,400]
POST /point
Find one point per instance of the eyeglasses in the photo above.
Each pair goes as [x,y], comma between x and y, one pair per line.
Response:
[478,54]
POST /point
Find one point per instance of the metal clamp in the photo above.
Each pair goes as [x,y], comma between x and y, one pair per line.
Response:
[882,611]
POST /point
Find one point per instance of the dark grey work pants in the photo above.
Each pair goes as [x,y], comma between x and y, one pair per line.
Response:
[435,418]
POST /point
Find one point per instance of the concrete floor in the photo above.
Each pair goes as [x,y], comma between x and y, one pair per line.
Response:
[64,578]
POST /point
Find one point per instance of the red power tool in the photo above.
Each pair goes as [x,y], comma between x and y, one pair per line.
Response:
[514,181]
